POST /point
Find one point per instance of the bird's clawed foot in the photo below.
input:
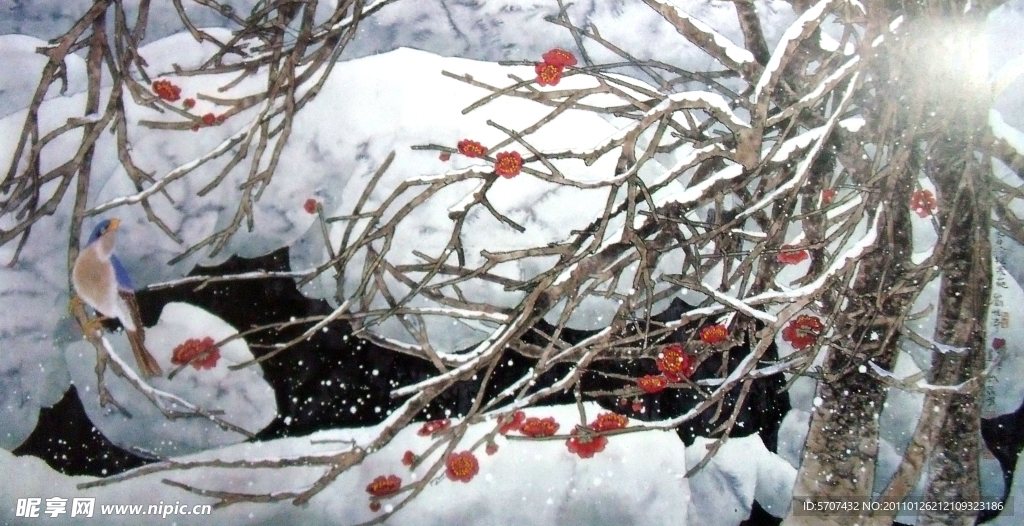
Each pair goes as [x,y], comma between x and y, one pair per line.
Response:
[94,324]
[74,304]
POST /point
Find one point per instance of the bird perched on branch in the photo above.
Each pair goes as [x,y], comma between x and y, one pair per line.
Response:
[102,282]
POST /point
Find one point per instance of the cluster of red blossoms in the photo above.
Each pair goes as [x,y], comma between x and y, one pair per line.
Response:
[509,164]
[434,427]
[675,363]
[512,423]
[652,384]
[506,164]
[209,119]
[585,442]
[549,72]
[171,92]
[923,202]
[790,256]
[191,348]
[714,334]
[802,332]
[382,486]
[534,427]
[461,467]
[166,90]
[827,195]
[471,148]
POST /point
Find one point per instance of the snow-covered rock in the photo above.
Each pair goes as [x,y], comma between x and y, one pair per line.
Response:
[20,56]
[241,397]
[637,479]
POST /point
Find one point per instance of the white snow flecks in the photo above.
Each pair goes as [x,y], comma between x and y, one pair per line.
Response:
[793,434]
[314,165]
[526,474]
[1004,388]
[243,396]
[34,327]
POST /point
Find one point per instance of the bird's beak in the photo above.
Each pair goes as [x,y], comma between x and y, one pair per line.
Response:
[114,223]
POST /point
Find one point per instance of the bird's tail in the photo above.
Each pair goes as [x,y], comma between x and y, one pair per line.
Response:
[145,360]
[137,338]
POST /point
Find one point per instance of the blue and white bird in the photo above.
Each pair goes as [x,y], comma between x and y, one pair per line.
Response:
[102,282]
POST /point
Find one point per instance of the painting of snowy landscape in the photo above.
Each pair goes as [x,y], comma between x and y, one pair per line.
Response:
[511,262]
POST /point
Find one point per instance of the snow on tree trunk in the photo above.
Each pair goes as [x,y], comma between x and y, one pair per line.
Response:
[931,124]
[800,200]
[966,262]
[842,444]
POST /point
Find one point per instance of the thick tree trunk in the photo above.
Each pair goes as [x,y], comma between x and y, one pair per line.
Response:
[932,120]
[966,265]
[842,443]
[956,128]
